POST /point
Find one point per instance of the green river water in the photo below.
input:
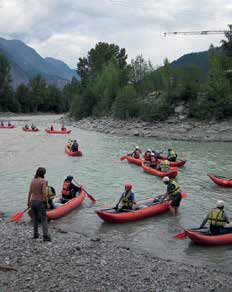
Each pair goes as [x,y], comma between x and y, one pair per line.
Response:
[104,176]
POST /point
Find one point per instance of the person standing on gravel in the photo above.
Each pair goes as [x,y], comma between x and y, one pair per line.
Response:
[37,201]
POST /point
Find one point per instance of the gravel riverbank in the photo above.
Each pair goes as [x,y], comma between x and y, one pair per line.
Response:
[174,128]
[75,262]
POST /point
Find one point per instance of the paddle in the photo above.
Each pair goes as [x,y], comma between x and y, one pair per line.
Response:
[18,216]
[183,235]
[89,196]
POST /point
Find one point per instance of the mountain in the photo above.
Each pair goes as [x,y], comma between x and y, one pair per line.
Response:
[26,63]
[201,59]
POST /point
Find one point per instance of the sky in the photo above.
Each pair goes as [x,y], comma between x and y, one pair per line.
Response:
[68,29]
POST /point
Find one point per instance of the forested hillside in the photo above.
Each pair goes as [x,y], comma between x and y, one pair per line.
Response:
[111,86]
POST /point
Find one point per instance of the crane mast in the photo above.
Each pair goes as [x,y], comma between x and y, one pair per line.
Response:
[203,32]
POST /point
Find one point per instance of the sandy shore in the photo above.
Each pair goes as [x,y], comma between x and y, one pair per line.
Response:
[74,262]
[174,128]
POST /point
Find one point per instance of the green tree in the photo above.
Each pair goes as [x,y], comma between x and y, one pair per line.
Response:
[126,103]
[6,92]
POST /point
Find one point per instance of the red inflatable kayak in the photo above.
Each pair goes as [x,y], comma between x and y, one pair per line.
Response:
[174,163]
[220,180]
[203,239]
[70,153]
[132,159]
[112,216]
[171,174]
[57,131]
[66,208]
[7,127]
[30,130]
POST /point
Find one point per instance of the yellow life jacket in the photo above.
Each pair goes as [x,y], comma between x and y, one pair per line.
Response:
[176,189]
[173,154]
[216,218]
[126,200]
[51,193]
[164,165]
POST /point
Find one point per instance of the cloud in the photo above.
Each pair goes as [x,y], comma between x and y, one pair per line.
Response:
[68,29]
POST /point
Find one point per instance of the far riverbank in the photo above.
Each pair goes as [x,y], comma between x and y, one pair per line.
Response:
[173,128]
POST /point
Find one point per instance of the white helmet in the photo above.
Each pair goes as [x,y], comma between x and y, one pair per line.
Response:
[136,147]
[166,179]
[220,204]
[149,150]
[152,154]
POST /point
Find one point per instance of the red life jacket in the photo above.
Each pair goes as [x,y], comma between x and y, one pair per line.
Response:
[66,188]
[153,160]
[147,156]
[137,154]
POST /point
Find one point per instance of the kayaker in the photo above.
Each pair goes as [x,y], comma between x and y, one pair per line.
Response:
[69,190]
[70,142]
[9,124]
[26,126]
[63,127]
[217,219]
[52,128]
[163,166]
[147,155]
[51,194]
[173,193]
[127,199]
[37,201]
[2,124]
[157,154]
[74,146]
[171,155]
[136,153]
[153,161]
[33,127]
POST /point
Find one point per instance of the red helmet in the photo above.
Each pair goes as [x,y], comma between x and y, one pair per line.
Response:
[128,187]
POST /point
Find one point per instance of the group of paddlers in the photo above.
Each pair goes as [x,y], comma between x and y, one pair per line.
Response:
[73,145]
[33,127]
[3,125]
[173,193]
[154,159]
[40,198]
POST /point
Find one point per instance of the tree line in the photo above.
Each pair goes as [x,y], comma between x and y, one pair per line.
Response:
[110,86]
[36,96]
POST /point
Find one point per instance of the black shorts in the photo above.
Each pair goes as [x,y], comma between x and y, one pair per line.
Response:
[176,200]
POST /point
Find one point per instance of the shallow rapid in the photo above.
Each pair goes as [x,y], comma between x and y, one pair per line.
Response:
[104,176]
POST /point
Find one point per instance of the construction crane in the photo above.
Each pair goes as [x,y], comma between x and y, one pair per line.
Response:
[203,32]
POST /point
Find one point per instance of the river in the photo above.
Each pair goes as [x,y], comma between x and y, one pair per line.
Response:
[104,177]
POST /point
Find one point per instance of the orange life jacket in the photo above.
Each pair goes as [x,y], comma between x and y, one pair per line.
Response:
[66,188]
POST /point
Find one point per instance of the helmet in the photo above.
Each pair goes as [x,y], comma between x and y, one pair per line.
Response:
[220,204]
[69,177]
[128,187]
[148,150]
[136,147]
[152,154]
[166,179]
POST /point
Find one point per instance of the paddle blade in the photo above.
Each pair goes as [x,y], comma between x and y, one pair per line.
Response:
[91,198]
[180,235]
[18,216]
[122,158]
[184,196]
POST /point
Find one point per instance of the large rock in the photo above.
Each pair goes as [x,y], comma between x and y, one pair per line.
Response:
[179,109]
